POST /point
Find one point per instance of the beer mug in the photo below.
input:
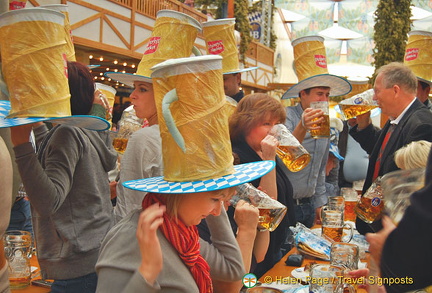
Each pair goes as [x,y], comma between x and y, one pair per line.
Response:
[336,203]
[346,255]
[358,186]
[290,151]
[327,278]
[358,104]
[271,212]
[128,124]
[324,128]
[333,225]
[371,204]
[351,199]
[18,251]
[397,188]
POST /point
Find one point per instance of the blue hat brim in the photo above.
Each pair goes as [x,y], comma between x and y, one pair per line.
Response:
[334,150]
[374,112]
[241,70]
[127,78]
[83,121]
[339,86]
[243,173]
[91,66]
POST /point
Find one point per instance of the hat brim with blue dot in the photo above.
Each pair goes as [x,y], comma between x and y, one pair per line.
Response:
[83,121]
[243,173]
[339,86]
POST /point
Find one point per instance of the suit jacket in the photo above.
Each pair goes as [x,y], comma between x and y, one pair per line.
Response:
[415,125]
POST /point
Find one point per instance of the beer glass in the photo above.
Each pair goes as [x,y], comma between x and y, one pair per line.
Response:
[327,278]
[128,124]
[290,151]
[336,203]
[397,188]
[333,225]
[271,212]
[358,186]
[358,104]
[351,198]
[346,255]
[18,251]
[324,128]
[371,204]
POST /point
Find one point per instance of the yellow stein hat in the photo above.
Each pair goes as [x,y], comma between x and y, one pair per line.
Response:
[418,55]
[310,62]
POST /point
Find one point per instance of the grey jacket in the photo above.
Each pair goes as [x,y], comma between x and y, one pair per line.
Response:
[120,258]
[67,184]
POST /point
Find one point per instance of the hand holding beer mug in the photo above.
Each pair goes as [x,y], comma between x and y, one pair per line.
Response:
[371,204]
[333,225]
[397,189]
[321,130]
[290,151]
[128,124]
[358,104]
[271,212]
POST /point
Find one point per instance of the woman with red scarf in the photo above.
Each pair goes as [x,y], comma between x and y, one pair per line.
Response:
[158,249]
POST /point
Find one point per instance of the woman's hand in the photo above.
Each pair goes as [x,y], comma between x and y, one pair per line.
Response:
[21,134]
[268,147]
[246,216]
[377,240]
[151,253]
[308,118]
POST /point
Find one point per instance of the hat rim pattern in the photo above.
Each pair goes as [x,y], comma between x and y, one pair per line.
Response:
[243,173]
[82,121]
[339,86]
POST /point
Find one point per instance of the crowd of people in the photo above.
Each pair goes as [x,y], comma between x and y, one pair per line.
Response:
[159,237]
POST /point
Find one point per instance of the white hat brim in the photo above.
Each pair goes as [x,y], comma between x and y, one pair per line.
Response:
[243,173]
[424,80]
[241,70]
[339,86]
[83,121]
[127,78]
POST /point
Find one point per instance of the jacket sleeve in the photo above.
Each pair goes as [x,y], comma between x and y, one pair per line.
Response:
[367,137]
[223,255]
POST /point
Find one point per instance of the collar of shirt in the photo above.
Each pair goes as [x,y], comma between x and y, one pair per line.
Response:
[399,118]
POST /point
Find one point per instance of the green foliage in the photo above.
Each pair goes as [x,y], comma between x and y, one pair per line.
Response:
[393,22]
[241,12]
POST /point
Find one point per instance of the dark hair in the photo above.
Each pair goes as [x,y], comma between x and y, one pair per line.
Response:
[81,87]
[250,111]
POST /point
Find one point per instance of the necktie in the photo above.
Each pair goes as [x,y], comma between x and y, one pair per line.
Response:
[383,145]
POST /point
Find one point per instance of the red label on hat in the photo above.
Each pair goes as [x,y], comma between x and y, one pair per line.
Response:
[152,45]
[215,47]
[320,60]
[411,54]
[15,5]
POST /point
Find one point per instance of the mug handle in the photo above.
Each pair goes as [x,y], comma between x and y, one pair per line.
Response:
[196,51]
[341,288]
[350,225]
[167,100]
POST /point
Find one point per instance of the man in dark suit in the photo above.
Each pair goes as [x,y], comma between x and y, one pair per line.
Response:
[409,120]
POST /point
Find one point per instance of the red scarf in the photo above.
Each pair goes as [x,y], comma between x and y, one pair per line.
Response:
[186,241]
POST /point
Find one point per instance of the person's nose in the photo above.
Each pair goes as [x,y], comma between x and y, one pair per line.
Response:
[217,209]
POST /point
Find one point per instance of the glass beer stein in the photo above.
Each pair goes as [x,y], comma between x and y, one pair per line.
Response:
[18,251]
[271,212]
[324,127]
[290,151]
[333,225]
[128,124]
[358,104]
[371,204]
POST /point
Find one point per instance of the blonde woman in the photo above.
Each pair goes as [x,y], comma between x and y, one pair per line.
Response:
[413,155]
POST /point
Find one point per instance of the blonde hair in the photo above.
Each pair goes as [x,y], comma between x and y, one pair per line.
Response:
[413,155]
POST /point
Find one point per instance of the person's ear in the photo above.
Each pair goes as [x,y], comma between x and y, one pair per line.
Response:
[238,78]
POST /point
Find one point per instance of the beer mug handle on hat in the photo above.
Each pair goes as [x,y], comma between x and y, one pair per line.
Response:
[169,98]
[196,51]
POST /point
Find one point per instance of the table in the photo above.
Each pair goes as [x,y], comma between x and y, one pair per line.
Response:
[33,288]
[281,273]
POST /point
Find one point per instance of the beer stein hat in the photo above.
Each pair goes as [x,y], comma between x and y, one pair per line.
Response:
[310,64]
[33,49]
[173,36]
[418,55]
[193,121]
[220,40]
